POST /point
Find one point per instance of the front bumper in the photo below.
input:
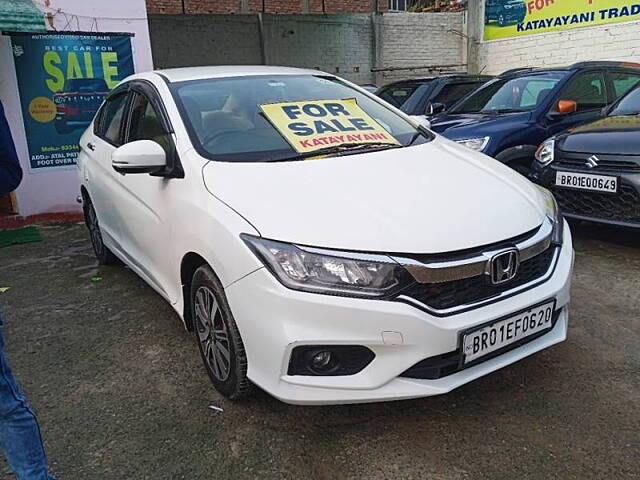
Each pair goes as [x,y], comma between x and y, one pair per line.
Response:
[620,209]
[273,320]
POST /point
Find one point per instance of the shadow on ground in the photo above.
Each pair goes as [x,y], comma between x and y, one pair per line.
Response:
[121,392]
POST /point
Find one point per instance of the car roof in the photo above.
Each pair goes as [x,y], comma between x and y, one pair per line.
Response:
[452,76]
[223,71]
[575,66]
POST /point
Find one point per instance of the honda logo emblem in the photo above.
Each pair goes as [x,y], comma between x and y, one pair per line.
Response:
[504,266]
[592,161]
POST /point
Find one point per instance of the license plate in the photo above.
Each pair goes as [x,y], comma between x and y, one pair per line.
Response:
[587,181]
[486,339]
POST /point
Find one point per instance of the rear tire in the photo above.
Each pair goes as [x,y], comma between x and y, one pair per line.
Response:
[103,254]
[218,337]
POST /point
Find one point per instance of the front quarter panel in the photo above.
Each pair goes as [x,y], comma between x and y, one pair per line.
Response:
[209,228]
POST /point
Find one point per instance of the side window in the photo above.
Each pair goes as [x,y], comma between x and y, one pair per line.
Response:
[623,82]
[111,117]
[535,92]
[587,90]
[454,91]
[145,123]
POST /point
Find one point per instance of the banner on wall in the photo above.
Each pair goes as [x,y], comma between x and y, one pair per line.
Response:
[514,18]
[63,78]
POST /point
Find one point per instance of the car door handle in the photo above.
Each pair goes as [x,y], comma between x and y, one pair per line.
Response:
[91,146]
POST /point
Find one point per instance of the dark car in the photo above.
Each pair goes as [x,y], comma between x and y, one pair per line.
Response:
[594,170]
[78,102]
[430,95]
[505,12]
[510,116]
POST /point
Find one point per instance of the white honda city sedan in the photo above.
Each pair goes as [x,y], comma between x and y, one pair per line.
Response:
[321,244]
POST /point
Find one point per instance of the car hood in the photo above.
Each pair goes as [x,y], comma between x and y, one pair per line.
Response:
[431,198]
[468,125]
[617,135]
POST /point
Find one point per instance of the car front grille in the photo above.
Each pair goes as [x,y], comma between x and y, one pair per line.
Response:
[621,206]
[618,163]
[602,165]
[455,293]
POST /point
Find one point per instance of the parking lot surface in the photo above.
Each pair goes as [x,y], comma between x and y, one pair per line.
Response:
[121,392]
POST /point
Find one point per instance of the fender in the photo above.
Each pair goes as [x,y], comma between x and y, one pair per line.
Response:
[509,155]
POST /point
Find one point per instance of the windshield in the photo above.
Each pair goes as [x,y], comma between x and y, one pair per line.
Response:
[397,94]
[629,104]
[228,118]
[517,94]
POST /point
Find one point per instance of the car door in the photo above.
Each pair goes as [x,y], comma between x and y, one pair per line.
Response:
[589,91]
[101,179]
[145,200]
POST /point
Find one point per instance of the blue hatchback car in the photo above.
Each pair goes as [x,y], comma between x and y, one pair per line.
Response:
[509,116]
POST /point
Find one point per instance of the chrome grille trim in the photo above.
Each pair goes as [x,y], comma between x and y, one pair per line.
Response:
[486,301]
[457,269]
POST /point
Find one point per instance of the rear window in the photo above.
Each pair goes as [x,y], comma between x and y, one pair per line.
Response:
[454,91]
[397,94]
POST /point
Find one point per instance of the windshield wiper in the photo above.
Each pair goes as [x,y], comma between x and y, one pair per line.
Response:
[344,149]
[502,110]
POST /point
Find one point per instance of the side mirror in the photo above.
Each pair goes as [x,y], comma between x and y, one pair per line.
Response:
[141,156]
[434,108]
[567,106]
[422,120]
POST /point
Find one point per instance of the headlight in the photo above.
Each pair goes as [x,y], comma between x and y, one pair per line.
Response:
[553,213]
[544,153]
[476,144]
[328,271]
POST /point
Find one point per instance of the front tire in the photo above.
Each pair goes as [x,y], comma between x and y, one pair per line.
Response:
[103,254]
[218,337]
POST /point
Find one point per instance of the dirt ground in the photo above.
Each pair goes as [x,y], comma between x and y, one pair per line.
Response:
[121,392]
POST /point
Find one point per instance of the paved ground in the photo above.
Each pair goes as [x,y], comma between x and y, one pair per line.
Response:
[121,392]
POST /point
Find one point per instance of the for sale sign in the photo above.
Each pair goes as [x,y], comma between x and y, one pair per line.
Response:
[316,124]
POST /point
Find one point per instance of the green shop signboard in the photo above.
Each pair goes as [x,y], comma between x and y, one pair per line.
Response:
[62,80]
[517,18]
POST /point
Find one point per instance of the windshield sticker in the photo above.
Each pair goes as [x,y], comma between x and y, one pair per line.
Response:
[317,124]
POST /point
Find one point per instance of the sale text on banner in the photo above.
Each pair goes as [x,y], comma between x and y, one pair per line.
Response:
[63,79]
[317,124]
[514,18]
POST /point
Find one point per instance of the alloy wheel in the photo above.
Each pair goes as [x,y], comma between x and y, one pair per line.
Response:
[213,333]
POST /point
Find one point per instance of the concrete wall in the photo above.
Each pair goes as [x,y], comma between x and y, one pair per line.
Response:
[420,39]
[56,190]
[268,6]
[334,43]
[619,41]
[347,45]
[192,40]
[340,44]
